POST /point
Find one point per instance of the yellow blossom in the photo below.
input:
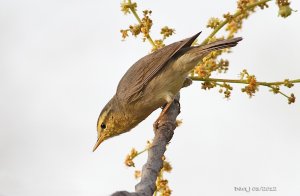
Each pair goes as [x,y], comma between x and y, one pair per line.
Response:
[167,166]
[129,158]
[287,83]
[126,6]
[124,33]
[213,23]
[252,86]
[166,31]
[137,174]
[135,29]
[292,99]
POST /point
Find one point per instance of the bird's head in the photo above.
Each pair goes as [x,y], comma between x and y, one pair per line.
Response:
[111,122]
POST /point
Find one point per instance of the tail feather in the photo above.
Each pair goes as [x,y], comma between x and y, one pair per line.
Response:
[225,43]
[198,52]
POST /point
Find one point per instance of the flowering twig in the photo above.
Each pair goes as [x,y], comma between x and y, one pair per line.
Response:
[144,25]
[133,154]
[212,82]
[133,11]
[241,81]
[228,19]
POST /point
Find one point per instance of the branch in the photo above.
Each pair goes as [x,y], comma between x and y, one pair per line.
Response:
[252,85]
[241,81]
[237,13]
[151,169]
[140,22]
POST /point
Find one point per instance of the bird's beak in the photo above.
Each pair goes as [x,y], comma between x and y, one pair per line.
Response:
[99,141]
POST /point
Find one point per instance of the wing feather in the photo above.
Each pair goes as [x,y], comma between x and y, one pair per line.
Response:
[134,81]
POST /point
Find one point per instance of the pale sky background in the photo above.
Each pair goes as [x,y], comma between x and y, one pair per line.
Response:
[60,63]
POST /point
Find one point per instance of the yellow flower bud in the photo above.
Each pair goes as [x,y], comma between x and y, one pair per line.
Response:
[285,11]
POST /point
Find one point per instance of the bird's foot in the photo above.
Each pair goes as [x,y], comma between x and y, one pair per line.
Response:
[155,124]
[165,109]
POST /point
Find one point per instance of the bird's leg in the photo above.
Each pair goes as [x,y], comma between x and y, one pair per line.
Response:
[169,100]
[165,109]
[187,82]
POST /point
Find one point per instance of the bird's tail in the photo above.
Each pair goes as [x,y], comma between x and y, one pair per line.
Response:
[196,53]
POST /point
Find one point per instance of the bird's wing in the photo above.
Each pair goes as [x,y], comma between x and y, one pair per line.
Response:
[134,81]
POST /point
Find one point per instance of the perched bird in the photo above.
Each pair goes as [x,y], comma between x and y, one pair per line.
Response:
[150,83]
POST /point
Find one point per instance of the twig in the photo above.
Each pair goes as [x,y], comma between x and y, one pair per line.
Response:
[240,81]
[237,13]
[140,22]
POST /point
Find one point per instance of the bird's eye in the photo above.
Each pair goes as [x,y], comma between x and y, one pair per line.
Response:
[103,126]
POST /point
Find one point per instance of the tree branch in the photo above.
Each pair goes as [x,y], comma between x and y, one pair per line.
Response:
[151,169]
[235,15]
[196,78]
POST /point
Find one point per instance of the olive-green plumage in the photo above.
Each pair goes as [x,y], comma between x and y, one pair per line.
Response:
[151,82]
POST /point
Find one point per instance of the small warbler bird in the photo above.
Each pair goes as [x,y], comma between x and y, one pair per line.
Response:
[150,83]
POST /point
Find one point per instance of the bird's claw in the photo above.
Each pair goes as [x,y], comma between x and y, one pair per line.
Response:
[156,124]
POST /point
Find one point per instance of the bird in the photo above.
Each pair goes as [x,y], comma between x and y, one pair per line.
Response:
[152,82]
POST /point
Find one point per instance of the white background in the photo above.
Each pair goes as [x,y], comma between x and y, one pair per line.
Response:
[60,62]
